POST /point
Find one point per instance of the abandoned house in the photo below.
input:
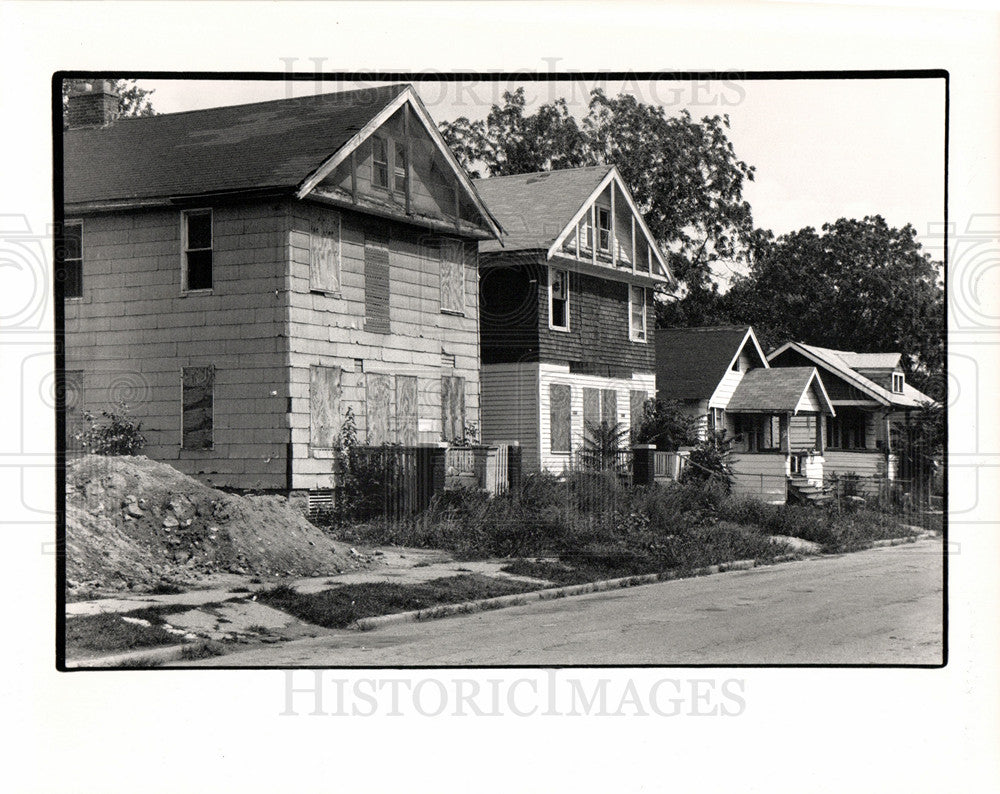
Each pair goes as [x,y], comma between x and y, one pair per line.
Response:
[244,275]
[773,417]
[567,311]
[872,399]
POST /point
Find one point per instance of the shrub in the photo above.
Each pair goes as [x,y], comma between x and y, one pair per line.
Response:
[710,459]
[116,434]
[666,424]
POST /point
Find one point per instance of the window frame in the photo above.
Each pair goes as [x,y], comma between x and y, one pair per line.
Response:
[66,260]
[211,447]
[603,233]
[897,377]
[445,247]
[376,164]
[337,253]
[552,326]
[633,334]
[569,435]
[399,153]
[185,250]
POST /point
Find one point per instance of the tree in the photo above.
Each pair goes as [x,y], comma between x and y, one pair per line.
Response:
[666,424]
[854,285]
[684,175]
[133,101]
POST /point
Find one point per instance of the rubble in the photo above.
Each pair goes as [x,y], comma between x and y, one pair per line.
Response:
[133,523]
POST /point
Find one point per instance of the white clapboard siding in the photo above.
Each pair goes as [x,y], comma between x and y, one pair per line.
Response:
[510,407]
[559,373]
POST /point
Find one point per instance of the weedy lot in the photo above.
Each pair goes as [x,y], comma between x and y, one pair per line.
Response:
[547,533]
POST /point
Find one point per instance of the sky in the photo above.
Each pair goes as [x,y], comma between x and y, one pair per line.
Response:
[822,149]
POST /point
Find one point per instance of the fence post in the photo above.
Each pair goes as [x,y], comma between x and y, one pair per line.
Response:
[644,464]
[514,468]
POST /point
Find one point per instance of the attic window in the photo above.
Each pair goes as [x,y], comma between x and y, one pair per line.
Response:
[897,383]
[380,162]
[197,232]
[603,229]
[399,167]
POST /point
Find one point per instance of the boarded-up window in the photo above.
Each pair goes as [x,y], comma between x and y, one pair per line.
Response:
[452,407]
[324,254]
[406,409]
[452,276]
[378,405]
[591,410]
[324,406]
[377,283]
[73,397]
[636,407]
[196,425]
[609,406]
[560,416]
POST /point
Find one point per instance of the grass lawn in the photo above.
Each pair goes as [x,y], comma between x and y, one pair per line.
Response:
[108,632]
[340,607]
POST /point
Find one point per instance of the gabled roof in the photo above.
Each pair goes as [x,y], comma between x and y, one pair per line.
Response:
[836,362]
[285,145]
[690,362]
[777,390]
[539,210]
[534,208]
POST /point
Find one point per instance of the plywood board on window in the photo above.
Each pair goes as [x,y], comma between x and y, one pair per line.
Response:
[198,388]
[406,410]
[324,254]
[560,416]
[378,405]
[324,406]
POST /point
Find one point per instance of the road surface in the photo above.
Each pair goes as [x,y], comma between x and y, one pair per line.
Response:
[882,606]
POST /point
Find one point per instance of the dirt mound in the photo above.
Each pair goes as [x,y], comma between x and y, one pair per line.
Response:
[132,522]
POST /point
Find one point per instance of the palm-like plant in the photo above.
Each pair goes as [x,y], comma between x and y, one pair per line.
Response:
[602,445]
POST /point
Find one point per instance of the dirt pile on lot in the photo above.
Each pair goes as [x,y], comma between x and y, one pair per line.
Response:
[132,523]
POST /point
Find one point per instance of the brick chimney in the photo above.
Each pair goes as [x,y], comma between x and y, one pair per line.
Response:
[92,103]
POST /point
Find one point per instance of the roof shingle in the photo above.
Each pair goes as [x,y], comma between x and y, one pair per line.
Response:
[534,208]
[690,362]
[776,390]
[274,144]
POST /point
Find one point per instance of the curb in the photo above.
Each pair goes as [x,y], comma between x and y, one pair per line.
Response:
[922,535]
[169,653]
[517,599]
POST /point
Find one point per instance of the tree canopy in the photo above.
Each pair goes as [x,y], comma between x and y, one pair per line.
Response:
[133,101]
[853,285]
[684,174]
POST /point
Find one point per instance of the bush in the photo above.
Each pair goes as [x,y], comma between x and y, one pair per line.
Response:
[666,424]
[710,460]
[116,434]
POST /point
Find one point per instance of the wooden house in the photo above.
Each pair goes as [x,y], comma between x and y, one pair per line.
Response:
[773,417]
[871,397]
[244,275]
[567,311]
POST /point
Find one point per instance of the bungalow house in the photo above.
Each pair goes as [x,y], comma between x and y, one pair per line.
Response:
[567,311]
[871,397]
[245,275]
[722,378]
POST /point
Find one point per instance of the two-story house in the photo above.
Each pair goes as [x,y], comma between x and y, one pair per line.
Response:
[244,275]
[567,313]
